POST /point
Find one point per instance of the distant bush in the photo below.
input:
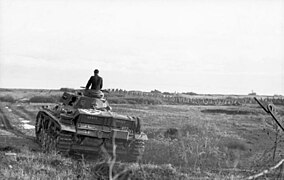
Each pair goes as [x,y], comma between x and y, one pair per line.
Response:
[190,93]
[7,99]
[44,99]
[67,89]
[144,100]
[117,100]
[135,100]
[5,90]
[115,95]
[167,93]
[156,91]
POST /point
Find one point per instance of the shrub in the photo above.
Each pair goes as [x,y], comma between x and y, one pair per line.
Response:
[7,99]
[136,171]
[154,133]
[195,147]
[150,171]
[29,165]
[162,151]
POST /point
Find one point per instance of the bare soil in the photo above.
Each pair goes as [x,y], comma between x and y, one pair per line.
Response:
[12,133]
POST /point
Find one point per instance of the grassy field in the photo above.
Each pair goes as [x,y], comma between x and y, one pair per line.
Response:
[222,142]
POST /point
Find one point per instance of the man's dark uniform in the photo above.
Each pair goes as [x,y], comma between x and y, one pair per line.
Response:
[96,81]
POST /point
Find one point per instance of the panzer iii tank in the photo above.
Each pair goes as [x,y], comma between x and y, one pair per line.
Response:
[84,122]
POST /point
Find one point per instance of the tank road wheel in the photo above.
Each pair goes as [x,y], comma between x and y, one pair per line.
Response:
[39,127]
[49,135]
[47,132]
[49,146]
[48,138]
[52,137]
[136,150]
[39,136]
[52,143]
[46,135]
[44,140]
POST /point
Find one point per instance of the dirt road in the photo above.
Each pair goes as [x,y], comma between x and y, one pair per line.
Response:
[16,128]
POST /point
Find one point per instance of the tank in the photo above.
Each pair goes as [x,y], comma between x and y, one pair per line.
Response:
[84,122]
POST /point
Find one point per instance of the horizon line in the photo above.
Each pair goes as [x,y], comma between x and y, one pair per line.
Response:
[176,92]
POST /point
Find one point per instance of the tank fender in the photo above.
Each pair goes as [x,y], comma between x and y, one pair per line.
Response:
[68,128]
[142,136]
[63,127]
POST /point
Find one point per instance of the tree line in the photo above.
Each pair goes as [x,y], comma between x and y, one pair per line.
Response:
[177,98]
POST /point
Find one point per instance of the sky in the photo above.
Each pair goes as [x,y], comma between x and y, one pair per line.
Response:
[201,46]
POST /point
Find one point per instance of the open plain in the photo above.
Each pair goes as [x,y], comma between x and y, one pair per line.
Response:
[185,142]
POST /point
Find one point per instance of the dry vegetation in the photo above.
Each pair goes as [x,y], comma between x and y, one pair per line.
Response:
[185,142]
[35,165]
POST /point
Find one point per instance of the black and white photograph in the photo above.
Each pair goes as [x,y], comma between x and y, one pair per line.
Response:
[141,89]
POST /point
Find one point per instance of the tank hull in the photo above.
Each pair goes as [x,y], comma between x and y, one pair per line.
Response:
[53,135]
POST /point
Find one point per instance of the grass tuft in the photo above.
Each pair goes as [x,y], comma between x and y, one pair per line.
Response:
[194,148]
[31,165]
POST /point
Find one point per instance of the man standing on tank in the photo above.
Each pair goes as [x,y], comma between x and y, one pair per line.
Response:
[96,81]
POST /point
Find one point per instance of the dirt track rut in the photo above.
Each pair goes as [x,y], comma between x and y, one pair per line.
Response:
[11,133]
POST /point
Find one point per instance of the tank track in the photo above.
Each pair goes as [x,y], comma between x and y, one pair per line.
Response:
[50,136]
